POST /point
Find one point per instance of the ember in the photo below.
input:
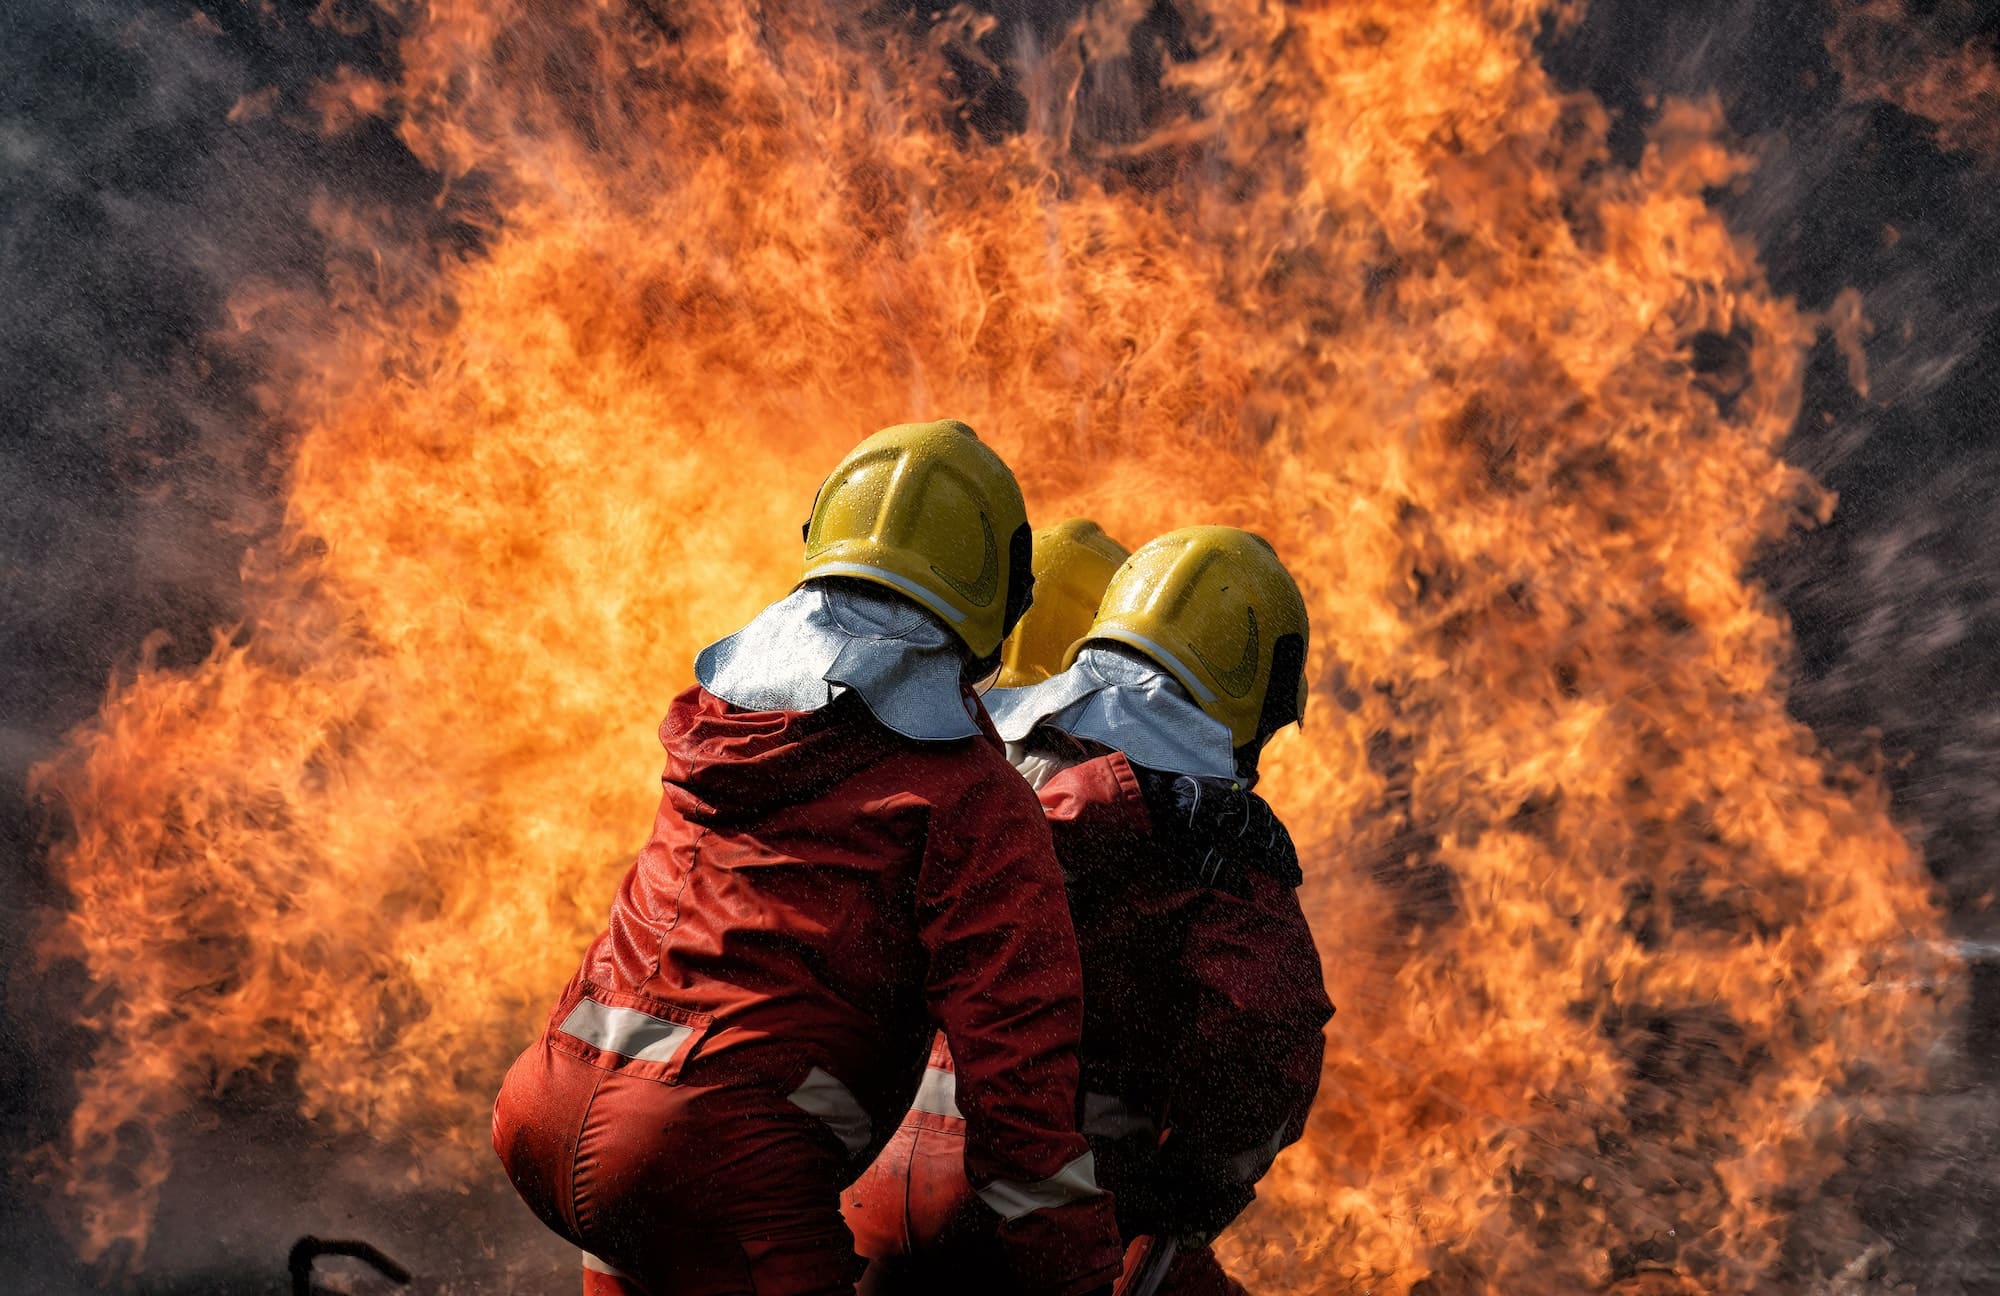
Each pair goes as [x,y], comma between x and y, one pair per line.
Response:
[1621,956]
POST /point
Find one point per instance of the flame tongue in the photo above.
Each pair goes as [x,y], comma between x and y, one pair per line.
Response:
[1619,961]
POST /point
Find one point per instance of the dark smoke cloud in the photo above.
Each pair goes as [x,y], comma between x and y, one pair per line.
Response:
[155,163]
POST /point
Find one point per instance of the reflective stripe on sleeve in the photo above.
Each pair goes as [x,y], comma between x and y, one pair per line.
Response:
[625,1031]
[938,1094]
[1250,1165]
[595,1265]
[823,1095]
[1074,1182]
[1107,1116]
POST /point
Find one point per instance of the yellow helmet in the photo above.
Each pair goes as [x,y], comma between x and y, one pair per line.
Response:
[1215,608]
[1074,561]
[928,511]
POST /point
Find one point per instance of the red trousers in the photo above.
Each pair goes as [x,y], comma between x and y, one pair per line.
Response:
[678,1190]
[924,1231]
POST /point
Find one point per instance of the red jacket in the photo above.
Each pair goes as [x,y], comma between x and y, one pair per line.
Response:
[1203,1010]
[1204,1001]
[817,893]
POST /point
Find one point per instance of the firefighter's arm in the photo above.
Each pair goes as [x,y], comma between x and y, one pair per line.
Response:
[1006,988]
[1249,1065]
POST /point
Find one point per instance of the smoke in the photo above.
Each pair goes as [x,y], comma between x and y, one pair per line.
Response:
[123,231]
[161,169]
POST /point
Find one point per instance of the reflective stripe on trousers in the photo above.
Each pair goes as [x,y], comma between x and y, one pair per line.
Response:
[938,1094]
[824,1096]
[625,1031]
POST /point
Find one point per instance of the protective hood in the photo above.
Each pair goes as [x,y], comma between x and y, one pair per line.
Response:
[823,640]
[1128,704]
[725,764]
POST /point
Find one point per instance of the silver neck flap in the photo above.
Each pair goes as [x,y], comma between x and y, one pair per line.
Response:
[1117,698]
[801,652]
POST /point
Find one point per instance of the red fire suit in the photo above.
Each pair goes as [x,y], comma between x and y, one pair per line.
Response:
[817,896]
[1203,1010]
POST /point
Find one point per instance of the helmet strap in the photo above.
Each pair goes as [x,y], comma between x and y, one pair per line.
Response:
[1246,762]
[1020,579]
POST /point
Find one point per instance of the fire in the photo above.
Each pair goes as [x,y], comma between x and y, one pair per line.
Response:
[1620,958]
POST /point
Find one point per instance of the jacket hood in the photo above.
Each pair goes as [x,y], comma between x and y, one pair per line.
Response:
[725,763]
[1117,699]
[1219,828]
[1214,832]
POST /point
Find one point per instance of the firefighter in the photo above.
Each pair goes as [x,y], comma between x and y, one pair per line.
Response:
[1074,561]
[843,861]
[1203,996]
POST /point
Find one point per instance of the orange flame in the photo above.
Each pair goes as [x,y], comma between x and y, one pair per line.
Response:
[1619,957]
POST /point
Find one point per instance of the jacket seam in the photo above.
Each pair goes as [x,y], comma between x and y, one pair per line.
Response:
[680,895]
[576,1155]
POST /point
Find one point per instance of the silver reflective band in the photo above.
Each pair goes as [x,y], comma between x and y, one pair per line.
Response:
[1107,1117]
[938,1094]
[928,600]
[1074,1182]
[1171,662]
[625,1031]
[595,1265]
[823,1095]
[1251,1165]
